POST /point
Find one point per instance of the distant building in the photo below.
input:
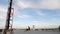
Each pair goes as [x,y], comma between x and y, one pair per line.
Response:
[59,28]
[33,27]
[0,30]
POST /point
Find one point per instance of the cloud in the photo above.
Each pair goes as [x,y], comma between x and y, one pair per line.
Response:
[50,4]
[1,17]
[18,13]
[40,13]
[23,16]
[47,4]
[21,3]
[3,9]
[26,3]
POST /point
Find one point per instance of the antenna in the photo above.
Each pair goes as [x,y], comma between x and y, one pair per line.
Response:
[8,18]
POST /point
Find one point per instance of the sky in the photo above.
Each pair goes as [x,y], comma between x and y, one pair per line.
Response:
[41,13]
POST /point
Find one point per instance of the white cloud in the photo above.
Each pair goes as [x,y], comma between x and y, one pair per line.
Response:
[19,14]
[23,16]
[50,4]
[3,9]
[22,4]
[1,17]
[40,13]
[47,4]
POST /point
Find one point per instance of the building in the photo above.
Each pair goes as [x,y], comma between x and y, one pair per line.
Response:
[59,28]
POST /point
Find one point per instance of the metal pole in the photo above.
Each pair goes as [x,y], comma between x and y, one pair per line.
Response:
[8,18]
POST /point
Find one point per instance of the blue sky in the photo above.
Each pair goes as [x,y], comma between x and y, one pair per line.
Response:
[40,13]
